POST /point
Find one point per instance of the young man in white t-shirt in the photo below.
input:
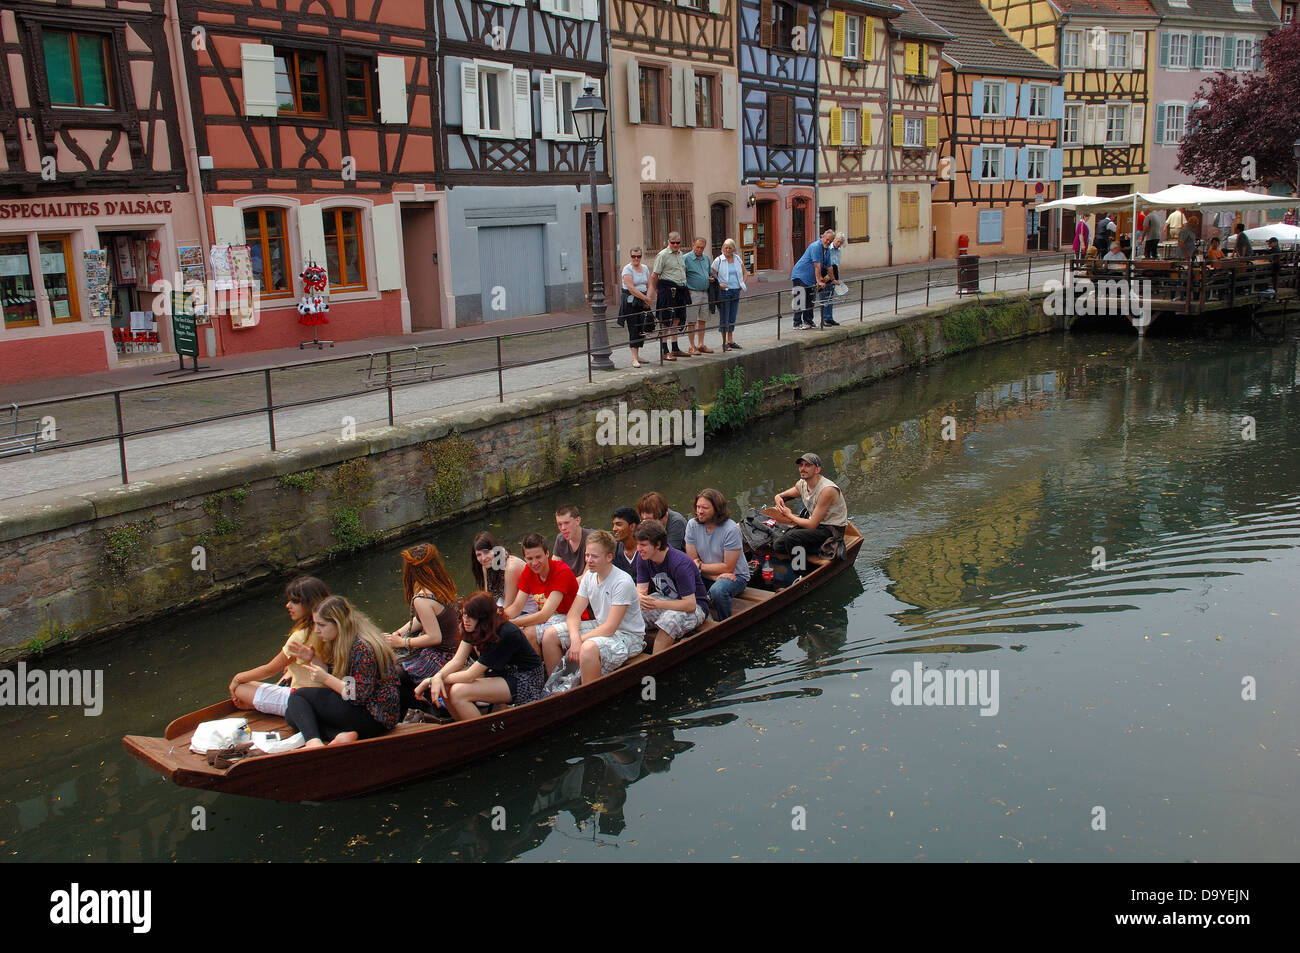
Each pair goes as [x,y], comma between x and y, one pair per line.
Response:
[616,634]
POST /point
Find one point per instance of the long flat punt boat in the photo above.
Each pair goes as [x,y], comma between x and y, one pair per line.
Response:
[411,751]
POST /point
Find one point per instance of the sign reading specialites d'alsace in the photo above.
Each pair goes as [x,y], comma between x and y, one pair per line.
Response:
[11,210]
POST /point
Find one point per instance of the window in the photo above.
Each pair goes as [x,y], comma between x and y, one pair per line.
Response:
[1245,53]
[1036,164]
[1180,45]
[858,218]
[1071,44]
[299,83]
[909,210]
[783,26]
[344,258]
[916,60]
[17,289]
[780,121]
[1116,124]
[993,93]
[565,6]
[652,79]
[1213,57]
[1071,125]
[664,210]
[704,111]
[1175,123]
[76,69]
[1244,6]
[853,38]
[991,162]
[268,245]
[358,88]
[1038,102]
[913,132]
[849,128]
[568,87]
[56,275]
[1288,13]
[1117,51]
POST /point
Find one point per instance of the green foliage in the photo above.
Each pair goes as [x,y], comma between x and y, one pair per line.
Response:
[348,530]
[451,459]
[35,645]
[733,405]
[962,328]
[353,481]
[223,521]
[570,464]
[927,335]
[123,545]
[304,483]
[659,396]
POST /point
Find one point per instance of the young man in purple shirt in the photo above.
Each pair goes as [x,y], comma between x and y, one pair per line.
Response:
[673,595]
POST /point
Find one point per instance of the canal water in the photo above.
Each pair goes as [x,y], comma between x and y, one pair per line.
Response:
[1112,533]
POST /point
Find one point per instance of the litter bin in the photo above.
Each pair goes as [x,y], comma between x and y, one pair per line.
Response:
[968,274]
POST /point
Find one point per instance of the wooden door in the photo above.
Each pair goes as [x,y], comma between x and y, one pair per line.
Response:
[420,255]
[765,235]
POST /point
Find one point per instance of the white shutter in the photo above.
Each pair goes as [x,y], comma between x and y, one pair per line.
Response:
[675,97]
[311,234]
[547,6]
[688,95]
[1094,125]
[1103,49]
[469,98]
[227,225]
[715,6]
[729,100]
[550,122]
[521,83]
[594,84]
[392,89]
[388,257]
[633,91]
[1138,50]
[258,62]
[591,9]
[1137,124]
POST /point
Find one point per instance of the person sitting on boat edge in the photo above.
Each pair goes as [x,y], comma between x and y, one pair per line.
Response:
[433,632]
[624,523]
[652,506]
[571,540]
[616,633]
[827,513]
[503,667]
[247,690]
[494,569]
[672,593]
[358,695]
[715,543]
[549,582]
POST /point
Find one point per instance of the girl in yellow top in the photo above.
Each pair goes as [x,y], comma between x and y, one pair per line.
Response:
[247,690]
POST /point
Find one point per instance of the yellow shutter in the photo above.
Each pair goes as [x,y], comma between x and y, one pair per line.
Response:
[868,40]
[866,128]
[931,131]
[898,129]
[911,59]
[858,220]
[836,119]
[837,36]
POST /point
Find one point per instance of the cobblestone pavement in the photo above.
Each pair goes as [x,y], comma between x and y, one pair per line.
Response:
[536,360]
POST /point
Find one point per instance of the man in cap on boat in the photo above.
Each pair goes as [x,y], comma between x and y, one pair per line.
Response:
[823,501]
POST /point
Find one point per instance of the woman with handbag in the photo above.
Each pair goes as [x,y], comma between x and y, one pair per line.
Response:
[634,303]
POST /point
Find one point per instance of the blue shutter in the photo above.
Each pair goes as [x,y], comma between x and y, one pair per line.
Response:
[1164,48]
[1229,52]
[977,98]
[1058,103]
[1009,163]
[1022,165]
[1009,99]
[1026,95]
[1055,164]
[1161,109]
[976,163]
[1198,50]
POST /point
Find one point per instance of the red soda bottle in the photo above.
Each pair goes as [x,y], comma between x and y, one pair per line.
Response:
[769,573]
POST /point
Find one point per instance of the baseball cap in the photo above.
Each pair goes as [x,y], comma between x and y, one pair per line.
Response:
[811,458]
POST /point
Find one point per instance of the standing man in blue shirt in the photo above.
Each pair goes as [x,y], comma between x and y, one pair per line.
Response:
[810,272]
[697,283]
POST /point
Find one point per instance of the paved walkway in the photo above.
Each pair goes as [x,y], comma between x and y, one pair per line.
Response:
[540,360]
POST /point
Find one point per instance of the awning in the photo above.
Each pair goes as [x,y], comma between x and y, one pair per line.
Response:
[1177,196]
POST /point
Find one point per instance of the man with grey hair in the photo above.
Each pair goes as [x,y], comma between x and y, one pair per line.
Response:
[668,287]
[809,272]
[697,284]
[832,281]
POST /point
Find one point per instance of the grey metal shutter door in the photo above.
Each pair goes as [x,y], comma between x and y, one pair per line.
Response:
[512,271]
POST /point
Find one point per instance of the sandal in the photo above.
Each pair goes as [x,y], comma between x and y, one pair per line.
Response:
[636,363]
[705,350]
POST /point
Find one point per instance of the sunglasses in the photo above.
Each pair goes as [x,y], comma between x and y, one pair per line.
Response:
[636,256]
[674,243]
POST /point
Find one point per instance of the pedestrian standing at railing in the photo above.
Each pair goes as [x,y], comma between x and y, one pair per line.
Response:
[697,283]
[634,307]
[832,281]
[809,273]
[729,270]
[668,288]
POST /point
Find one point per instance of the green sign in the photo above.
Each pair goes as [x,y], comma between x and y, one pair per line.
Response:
[185,332]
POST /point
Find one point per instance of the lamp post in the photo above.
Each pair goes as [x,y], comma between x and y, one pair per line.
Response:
[589,114]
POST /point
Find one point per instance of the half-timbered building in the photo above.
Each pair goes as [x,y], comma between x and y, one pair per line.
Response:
[1105,48]
[313,122]
[677,138]
[998,129]
[516,176]
[854,127]
[778,49]
[95,195]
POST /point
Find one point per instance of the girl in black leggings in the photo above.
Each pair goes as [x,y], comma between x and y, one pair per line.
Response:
[357,697]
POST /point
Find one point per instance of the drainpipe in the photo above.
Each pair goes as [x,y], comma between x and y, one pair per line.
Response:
[816,52]
[889,142]
[180,80]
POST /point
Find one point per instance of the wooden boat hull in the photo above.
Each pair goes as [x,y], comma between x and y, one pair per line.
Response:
[411,751]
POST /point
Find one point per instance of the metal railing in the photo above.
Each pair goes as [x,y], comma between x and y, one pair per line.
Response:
[753,311]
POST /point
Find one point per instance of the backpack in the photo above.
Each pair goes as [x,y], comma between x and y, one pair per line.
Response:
[760,532]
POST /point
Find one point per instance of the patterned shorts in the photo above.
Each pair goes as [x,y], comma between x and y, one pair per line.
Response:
[675,622]
[525,684]
[615,649]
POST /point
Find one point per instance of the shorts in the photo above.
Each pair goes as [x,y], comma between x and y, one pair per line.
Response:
[699,301]
[675,622]
[525,684]
[615,649]
[272,699]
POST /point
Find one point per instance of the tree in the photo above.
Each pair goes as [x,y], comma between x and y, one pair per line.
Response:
[1244,127]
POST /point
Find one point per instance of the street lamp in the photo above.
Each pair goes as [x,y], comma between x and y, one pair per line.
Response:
[1295,151]
[589,114]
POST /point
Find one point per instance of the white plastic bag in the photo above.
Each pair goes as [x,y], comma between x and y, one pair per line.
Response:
[220,734]
[566,675]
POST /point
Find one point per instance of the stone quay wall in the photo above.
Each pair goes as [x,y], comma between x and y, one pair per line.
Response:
[107,560]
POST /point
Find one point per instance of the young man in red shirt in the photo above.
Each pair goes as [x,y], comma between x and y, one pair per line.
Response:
[550,582]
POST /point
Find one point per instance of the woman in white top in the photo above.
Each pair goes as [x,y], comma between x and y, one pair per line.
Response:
[730,272]
[634,303]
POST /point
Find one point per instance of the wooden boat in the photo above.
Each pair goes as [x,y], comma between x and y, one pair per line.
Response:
[411,751]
